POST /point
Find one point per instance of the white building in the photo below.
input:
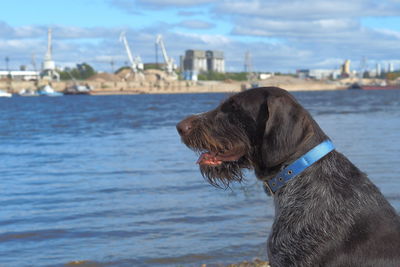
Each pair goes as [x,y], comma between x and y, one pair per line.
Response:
[319,74]
[390,67]
[215,61]
[22,75]
[378,69]
[197,61]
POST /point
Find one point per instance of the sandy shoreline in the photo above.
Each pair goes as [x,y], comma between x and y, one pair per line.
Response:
[104,87]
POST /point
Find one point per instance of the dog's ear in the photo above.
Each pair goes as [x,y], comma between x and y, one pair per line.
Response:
[288,128]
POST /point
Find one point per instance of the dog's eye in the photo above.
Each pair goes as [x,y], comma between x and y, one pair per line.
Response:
[229,106]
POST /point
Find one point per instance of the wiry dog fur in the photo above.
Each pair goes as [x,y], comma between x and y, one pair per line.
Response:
[330,215]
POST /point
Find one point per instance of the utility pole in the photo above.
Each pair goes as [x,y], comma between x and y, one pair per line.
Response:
[9,77]
[7,60]
[247,62]
[248,68]
[112,65]
[34,62]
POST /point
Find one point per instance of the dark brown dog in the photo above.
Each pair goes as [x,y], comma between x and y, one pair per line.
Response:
[329,215]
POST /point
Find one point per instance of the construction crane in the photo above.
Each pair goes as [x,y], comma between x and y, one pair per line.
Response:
[169,62]
[136,64]
[49,66]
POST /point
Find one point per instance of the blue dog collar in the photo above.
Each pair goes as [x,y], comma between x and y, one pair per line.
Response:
[297,167]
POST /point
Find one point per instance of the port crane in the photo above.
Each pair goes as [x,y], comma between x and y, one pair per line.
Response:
[136,64]
[49,66]
[169,62]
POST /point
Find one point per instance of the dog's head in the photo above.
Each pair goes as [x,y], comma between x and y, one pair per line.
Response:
[261,128]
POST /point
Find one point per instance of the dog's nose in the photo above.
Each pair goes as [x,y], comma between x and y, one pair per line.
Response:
[184,127]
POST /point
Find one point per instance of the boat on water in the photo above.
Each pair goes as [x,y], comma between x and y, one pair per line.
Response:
[77,90]
[47,90]
[357,86]
[5,94]
[28,92]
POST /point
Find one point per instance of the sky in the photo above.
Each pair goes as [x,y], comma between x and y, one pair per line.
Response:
[280,35]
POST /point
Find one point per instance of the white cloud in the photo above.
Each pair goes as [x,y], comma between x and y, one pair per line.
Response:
[291,28]
[174,3]
[17,45]
[305,34]
[389,33]
[5,30]
[207,40]
[125,5]
[186,13]
[131,6]
[307,9]
[196,24]
[329,63]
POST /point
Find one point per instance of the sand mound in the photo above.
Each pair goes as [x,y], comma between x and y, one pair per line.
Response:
[104,77]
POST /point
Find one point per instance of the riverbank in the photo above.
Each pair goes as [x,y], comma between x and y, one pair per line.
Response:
[118,87]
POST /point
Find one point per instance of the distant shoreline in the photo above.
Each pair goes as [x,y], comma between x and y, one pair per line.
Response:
[104,87]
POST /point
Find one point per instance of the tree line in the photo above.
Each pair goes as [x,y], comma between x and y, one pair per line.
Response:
[83,71]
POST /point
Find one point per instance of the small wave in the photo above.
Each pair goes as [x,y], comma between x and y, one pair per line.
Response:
[32,236]
[85,263]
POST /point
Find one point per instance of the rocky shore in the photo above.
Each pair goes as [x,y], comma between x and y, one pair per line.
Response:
[254,263]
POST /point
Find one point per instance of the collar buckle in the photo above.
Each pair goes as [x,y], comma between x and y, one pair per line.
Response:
[267,189]
[297,167]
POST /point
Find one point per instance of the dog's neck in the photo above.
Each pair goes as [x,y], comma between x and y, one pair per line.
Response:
[273,182]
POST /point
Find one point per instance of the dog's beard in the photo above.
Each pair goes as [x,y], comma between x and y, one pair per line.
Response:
[223,153]
[222,175]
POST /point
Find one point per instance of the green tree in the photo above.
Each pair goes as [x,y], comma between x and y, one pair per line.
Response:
[155,66]
[85,71]
[392,75]
[218,76]
[80,72]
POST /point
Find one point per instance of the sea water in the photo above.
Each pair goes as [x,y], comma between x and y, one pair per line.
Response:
[106,179]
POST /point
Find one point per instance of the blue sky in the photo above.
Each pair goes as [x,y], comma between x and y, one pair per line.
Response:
[281,35]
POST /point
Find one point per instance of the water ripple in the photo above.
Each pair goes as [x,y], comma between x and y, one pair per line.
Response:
[106,181]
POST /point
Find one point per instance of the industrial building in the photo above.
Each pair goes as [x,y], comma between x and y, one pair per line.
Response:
[345,69]
[20,75]
[319,74]
[197,61]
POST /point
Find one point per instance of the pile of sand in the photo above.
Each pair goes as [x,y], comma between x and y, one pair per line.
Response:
[126,74]
[104,77]
[295,84]
[284,79]
[147,75]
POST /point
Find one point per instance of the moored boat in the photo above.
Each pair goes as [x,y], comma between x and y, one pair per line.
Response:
[28,92]
[357,86]
[380,87]
[77,90]
[47,90]
[5,94]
